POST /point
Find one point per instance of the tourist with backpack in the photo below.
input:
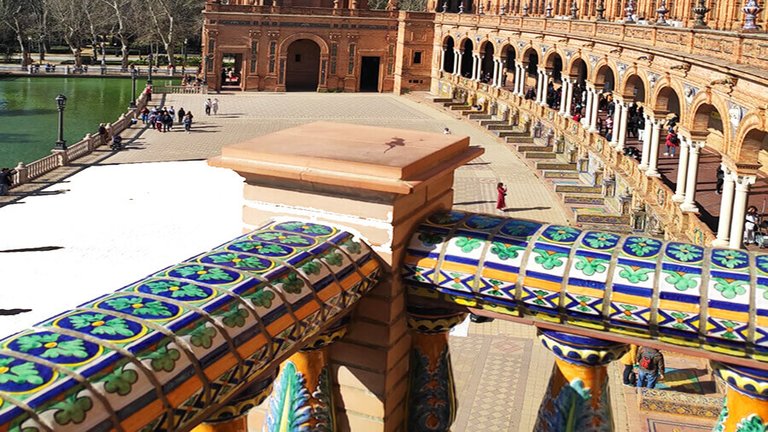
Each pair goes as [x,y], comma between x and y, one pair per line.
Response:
[650,367]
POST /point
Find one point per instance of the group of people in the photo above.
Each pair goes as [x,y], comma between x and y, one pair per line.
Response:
[162,118]
[211,106]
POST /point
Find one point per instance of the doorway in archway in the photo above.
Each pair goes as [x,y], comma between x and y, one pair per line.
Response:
[231,71]
[369,74]
[302,66]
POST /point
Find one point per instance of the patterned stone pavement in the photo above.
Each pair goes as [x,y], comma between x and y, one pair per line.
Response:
[501,369]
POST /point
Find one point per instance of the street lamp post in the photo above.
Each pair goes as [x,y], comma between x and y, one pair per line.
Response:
[29,51]
[149,60]
[103,56]
[184,56]
[61,102]
[134,75]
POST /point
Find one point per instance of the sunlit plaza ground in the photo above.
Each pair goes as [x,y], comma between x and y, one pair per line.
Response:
[157,203]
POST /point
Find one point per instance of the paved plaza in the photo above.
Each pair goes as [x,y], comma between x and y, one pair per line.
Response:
[112,218]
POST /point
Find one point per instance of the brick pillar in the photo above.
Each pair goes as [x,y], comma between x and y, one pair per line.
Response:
[379,183]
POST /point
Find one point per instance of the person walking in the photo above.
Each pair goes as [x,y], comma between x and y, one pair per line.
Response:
[215,106]
[650,367]
[188,121]
[720,180]
[181,114]
[628,360]
[501,191]
[750,224]
[207,106]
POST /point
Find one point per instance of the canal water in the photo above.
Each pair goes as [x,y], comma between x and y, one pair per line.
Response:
[28,114]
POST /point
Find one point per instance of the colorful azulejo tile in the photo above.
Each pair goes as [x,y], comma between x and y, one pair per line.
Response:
[588,275]
[728,292]
[633,281]
[761,304]
[679,293]
[546,267]
[679,290]
[156,353]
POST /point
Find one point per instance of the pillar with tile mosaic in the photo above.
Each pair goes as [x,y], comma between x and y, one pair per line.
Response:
[303,392]
[431,393]
[232,416]
[746,400]
[577,396]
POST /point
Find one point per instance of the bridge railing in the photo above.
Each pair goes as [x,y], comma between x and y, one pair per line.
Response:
[182,89]
[24,173]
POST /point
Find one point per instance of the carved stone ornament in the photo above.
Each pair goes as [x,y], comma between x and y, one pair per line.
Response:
[689,92]
[653,79]
[735,114]
[622,69]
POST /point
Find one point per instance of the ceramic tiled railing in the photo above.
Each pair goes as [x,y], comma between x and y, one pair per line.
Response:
[162,353]
[716,299]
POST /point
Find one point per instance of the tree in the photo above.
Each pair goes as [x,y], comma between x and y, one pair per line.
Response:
[175,20]
[126,15]
[72,24]
[17,16]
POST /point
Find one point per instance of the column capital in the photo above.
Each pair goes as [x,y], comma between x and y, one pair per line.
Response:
[433,320]
[743,182]
[582,350]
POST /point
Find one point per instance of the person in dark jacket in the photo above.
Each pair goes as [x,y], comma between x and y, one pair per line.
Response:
[650,367]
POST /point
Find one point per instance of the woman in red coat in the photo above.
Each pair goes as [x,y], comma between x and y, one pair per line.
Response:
[501,203]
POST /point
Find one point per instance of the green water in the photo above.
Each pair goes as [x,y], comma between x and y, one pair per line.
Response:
[28,115]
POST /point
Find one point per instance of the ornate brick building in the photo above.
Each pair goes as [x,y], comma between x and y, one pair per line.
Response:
[702,62]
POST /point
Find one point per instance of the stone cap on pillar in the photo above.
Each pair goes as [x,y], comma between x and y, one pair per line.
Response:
[351,156]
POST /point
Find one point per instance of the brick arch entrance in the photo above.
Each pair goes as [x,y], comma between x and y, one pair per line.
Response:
[302,66]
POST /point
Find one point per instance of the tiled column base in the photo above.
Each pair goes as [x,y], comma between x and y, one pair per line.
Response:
[577,397]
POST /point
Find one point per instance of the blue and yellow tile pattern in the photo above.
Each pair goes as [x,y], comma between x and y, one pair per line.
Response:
[679,293]
[155,354]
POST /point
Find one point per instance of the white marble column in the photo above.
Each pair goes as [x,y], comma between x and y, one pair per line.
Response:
[538,86]
[739,211]
[653,157]
[618,106]
[682,170]
[587,108]
[563,94]
[593,118]
[569,97]
[689,205]
[442,60]
[480,59]
[622,129]
[457,62]
[518,79]
[503,74]
[645,152]
[495,77]
[544,88]
[474,67]
[726,209]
